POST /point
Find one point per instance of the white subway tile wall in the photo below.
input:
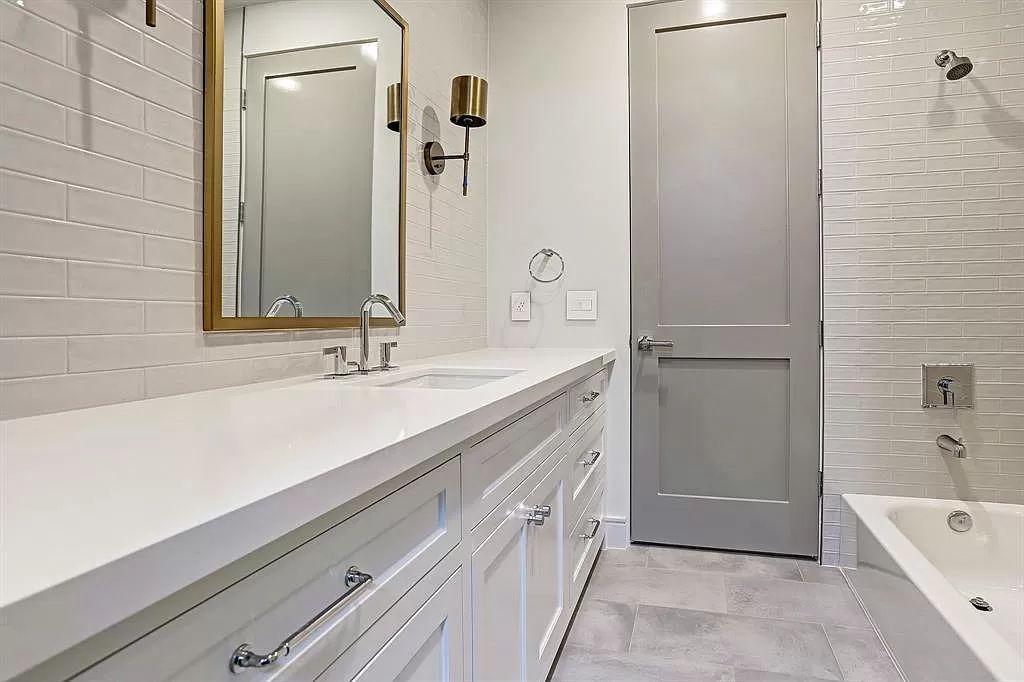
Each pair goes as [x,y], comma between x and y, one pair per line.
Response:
[101,200]
[923,249]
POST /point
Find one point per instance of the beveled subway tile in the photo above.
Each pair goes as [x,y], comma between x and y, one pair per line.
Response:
[24,397]
[54,161]
[31,114]
[24,234]
[33,195]
[32,276]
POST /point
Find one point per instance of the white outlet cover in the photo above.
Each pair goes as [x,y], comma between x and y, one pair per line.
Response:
[581,305]
[519,303]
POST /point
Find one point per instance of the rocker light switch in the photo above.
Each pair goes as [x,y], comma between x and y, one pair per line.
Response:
[581,305]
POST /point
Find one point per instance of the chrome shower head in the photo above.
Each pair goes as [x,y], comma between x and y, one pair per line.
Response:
[955,67]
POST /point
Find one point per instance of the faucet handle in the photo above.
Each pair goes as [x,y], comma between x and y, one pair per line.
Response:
[385,354]
[341,365]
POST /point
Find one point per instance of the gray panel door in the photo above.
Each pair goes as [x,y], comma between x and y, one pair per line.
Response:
[308,178]
[725,251]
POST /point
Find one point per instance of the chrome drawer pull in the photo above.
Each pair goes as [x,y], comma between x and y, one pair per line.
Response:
[594,456]
[243,657]
[593,531]
[590,397]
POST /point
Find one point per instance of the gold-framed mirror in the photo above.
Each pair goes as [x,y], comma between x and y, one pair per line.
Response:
[305,135]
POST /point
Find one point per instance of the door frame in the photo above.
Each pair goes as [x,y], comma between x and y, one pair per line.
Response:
[633,333]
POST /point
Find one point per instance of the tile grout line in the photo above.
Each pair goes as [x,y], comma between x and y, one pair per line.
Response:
[832,650]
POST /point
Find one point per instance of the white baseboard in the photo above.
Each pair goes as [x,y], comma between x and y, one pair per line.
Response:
[616,534]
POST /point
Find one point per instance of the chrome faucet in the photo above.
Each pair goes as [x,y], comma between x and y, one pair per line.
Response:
[952,446]
[279,302]
[364,326]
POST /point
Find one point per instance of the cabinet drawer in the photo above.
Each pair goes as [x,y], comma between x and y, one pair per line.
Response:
[586,396]
[397,540]
[494,466]
[585,542]
[588,459]
[427,647]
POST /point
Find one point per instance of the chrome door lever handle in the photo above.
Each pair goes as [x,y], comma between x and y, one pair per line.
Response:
[646,343]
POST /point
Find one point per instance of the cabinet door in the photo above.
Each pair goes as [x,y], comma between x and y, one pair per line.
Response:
[428,648]
[498,582]
[546,576]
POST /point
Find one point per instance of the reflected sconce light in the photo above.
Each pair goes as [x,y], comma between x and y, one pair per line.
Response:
[469,110]
[395,107]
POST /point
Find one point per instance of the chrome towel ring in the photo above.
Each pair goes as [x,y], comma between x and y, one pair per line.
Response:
[548,254]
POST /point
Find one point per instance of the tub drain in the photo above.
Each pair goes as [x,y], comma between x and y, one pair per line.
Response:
[980,604]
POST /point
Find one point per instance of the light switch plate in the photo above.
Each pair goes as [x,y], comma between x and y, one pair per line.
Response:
[519,303]
[581,305]
[958,381]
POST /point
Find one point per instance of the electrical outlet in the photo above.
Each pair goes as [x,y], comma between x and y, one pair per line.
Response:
[520,304]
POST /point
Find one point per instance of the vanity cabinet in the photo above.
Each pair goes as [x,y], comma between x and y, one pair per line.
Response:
[470,571]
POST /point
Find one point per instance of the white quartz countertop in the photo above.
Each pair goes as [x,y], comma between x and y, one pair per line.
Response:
[107,510]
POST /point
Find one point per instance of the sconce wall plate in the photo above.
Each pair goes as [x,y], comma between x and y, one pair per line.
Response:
[433,158]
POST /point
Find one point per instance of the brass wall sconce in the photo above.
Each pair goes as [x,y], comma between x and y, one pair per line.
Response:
[469,110]
[395,107]
[151,13]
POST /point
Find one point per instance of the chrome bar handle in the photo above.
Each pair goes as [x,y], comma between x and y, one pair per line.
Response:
[590,397]
[593,531]
[542,509]
[646,343]
[594,456]
[537,513]
[243,657]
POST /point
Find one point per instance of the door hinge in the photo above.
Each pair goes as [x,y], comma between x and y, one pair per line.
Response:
[819,35]
[821,484]
[241,211]
[244,98]
[821,334]
[821,183]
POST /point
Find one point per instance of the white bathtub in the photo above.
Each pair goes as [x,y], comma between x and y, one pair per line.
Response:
[915,576]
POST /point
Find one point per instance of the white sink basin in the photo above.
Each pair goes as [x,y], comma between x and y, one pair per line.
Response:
[446,378]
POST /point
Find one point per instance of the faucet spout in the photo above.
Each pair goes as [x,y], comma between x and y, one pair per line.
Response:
[364,325]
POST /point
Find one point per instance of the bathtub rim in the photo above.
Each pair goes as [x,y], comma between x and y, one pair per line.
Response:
[987,645]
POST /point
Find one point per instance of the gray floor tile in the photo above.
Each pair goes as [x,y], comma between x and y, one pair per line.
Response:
[722,562]
[633,556]
[762,676]
[603,625]
[813,573]
[791,600]
[629,585]
[577,664]
[740,641]
[861,655]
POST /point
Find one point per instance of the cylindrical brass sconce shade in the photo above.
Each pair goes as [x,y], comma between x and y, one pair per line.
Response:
[469,101]
[395,107]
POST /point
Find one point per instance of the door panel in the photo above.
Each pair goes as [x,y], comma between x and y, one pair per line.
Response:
[725,251]
[546,582]
[498,586]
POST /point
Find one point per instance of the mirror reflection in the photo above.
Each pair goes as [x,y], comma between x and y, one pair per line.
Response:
[312,157]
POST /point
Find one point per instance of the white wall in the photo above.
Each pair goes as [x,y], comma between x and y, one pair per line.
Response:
[558,177]
[100,200]
[924,249]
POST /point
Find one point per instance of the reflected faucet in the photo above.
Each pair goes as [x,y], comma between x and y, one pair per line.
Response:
[364,326]
[279,302]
